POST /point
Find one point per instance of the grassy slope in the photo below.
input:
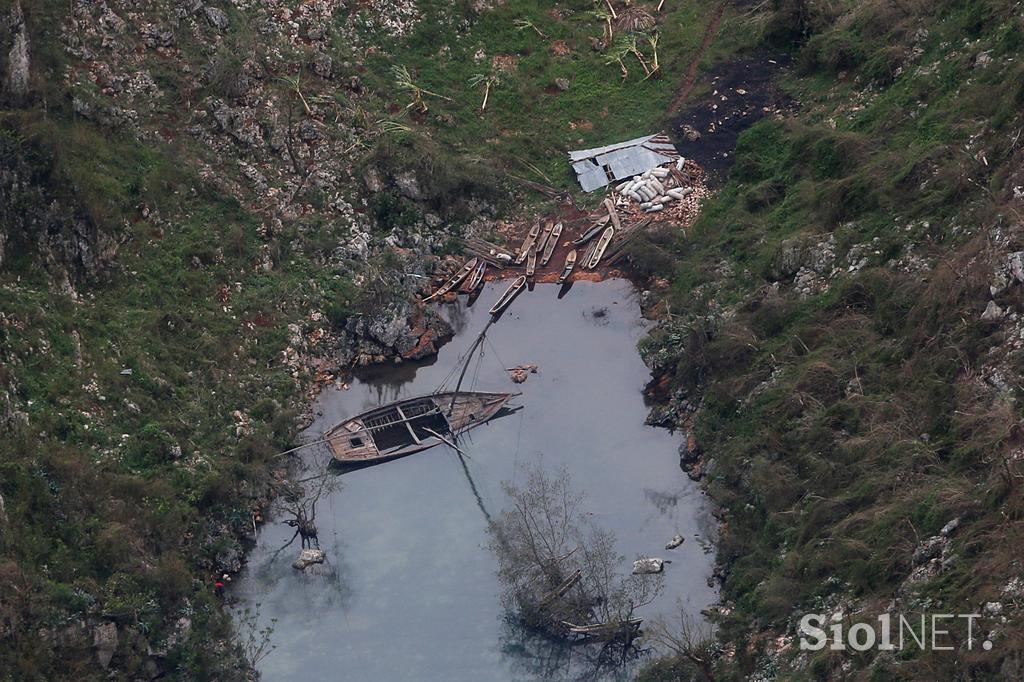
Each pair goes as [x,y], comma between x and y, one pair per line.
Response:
[872,429]
[104,520]
[528,122]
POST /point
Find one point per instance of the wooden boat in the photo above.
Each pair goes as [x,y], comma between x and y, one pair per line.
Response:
[528,243]
[409,426]
[542,243]
[592,232]
[455,280]
[599,248]
[549,248]
[474,280]
[531,263]
[570,263]
[509,294]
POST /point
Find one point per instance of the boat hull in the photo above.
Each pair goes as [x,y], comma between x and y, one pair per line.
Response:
[549,248]
[570,264]
[409,426]
[510,293]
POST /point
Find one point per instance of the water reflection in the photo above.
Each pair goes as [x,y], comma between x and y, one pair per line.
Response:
[536,656]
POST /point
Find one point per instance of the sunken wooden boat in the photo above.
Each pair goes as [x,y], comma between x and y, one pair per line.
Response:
[409,426]
[592,232]
[476,279]
[549,248]
[531,263]
[528,243]
[509,294]
[599,248]
[455,280]
[570,263]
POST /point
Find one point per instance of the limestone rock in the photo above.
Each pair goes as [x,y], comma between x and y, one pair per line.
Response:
[217,18]
[992,312]
[323,65]
[16,74]
[104,640]
[1015,262]
[408,186]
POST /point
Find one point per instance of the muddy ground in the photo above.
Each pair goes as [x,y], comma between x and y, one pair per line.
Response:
[733,96]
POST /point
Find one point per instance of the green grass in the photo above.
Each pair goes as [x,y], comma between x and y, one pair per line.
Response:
[529,123]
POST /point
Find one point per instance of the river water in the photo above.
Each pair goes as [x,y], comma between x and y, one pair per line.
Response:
[410,591]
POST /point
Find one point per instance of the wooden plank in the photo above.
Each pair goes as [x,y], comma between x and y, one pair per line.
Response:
[613,214]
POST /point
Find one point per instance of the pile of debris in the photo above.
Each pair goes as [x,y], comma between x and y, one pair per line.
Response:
[655,188]
[674,190]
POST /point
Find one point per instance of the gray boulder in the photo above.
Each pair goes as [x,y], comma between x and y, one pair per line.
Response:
[217,18]
[104,640]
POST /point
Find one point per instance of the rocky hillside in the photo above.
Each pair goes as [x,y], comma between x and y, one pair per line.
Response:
[841,339]
[187,244]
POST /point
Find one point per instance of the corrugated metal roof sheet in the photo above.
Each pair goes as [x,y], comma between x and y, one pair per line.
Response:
[620,161]
[597,151]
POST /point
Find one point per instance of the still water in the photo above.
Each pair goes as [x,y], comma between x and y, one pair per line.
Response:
[410,590]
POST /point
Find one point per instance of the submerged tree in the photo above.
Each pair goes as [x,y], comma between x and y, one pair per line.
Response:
[561,573]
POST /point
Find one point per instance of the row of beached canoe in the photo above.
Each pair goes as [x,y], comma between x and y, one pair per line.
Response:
[536,242]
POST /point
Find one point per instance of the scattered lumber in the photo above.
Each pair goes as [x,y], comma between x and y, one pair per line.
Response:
[495,255]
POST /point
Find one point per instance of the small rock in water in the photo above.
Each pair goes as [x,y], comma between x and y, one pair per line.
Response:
[647,566]
[675,542]
[307,558]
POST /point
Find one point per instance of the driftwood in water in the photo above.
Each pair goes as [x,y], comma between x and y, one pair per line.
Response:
[623,629]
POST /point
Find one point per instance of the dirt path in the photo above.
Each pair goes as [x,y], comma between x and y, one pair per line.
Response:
[691,71]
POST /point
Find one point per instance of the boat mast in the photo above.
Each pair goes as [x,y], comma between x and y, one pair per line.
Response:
[465,366]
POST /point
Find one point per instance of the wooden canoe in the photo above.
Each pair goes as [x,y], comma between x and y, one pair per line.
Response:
[528,243]
[570,263]
[545,235]
[455,280]
[599,248]
[409,426]
[549,248]
[592,232]
[531,263]
[474,280]
[509,294]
